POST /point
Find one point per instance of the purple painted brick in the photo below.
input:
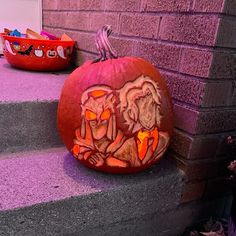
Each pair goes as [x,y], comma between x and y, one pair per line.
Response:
[217,94]
[196,92]
[185,88]
[54,31]
[208,6]
[181,143]
[194,147]
[223,65]
[49,5]
[66,5]
[98,19]
[122,5]
[232,99]
[204,147]
[196,62]
[139,25]
[227,33]
[53,19]
[86,41]
[75,20]
[159,54]
[167,5]
[186,118]
[230,7]
[123,47]
[196,29]
[202,169]
[219,120]
[91,5]
[81,57]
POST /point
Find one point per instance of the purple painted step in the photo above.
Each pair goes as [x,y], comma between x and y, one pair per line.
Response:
[49,193]
[28,104]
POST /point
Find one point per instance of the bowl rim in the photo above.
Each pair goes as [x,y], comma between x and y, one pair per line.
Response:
[6,37]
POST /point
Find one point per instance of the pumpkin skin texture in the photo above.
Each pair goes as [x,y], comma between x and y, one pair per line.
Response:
[116,115]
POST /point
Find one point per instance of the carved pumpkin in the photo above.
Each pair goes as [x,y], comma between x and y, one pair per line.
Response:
[115,114]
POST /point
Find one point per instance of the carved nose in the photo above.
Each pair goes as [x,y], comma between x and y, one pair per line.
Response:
[98,121]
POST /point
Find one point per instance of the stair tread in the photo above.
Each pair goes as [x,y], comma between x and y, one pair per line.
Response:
[35,177]
[25,86]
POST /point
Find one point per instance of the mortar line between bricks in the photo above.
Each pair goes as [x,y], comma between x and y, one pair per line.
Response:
[143,6]
[176,43]
[194,77]
[186,133]
[159,28]
[226,16]
[93,53]
[191,135]
[191,5]
[70,29]
[91,32]
[203,109]
[119,24]
[213,48]
[199,161]
[156,13]
[194,107]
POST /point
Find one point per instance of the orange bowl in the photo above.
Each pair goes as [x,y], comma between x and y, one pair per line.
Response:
[35,54]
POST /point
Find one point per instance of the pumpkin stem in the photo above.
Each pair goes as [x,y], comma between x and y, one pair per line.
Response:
[103,45]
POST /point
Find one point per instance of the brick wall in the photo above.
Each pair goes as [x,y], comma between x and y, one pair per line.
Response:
[193,43]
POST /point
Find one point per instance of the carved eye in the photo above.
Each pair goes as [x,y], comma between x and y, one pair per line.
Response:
[106,114]
[90,115]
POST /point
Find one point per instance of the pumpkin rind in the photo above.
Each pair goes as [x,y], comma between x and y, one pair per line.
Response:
[116,115]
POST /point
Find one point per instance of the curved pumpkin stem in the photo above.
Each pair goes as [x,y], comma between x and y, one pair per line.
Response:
[103,45]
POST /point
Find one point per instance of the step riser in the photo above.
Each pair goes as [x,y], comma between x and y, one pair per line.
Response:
[28,125]
[92,218]
[81,214]
[171,223]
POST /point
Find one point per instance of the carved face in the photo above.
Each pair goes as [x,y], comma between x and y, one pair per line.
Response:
[147,111]
[97,116]
[97,112]
[140,104]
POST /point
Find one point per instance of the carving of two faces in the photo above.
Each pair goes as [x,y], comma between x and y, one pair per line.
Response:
[99,140]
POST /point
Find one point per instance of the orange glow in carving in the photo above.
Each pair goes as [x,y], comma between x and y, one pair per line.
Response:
[76,149]
[97,93]
[90,115]
[106,114]
[111,161]
[143,141]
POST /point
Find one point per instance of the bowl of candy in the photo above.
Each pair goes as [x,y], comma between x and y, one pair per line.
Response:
[37,52]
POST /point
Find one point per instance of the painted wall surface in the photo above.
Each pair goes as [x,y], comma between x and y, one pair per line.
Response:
[20,14]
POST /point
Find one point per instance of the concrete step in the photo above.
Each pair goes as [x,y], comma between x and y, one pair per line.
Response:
[28,104]
[48,192]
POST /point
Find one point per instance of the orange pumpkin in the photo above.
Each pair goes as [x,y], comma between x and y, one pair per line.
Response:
[115,114]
